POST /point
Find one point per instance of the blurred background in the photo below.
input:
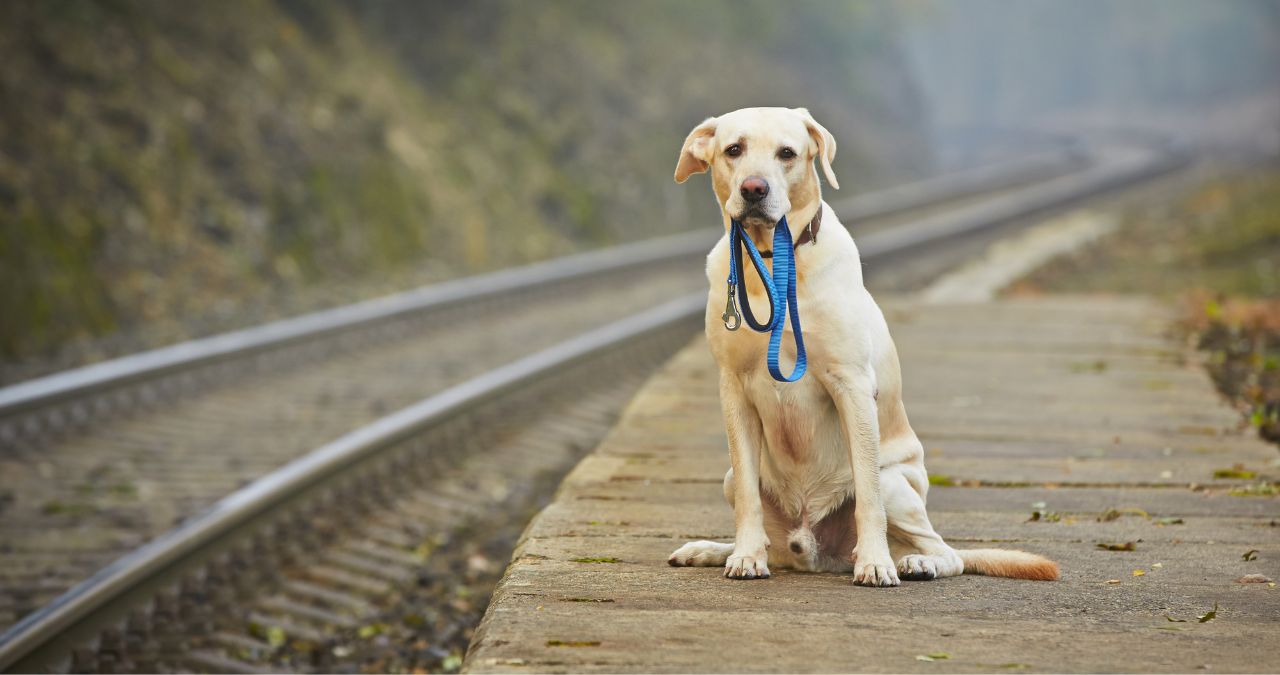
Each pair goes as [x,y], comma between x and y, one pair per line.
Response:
[177,169]
[168,170]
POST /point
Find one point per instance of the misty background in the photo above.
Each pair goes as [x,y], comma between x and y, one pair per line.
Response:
[168,170]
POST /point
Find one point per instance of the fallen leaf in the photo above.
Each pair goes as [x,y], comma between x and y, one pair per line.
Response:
[1139,573]
[1126,546]
[1157,566]
[933,656]
[1166,616]
[1253,579]
[1250,555]
[941,480]
[1209,615]
[1114,513]
[1113,581]
[1047,516]
[1169,521]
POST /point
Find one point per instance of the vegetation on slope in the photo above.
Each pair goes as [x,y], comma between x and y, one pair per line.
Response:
[190,167]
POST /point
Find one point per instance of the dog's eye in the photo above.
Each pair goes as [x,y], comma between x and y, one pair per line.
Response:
[786,153]
[733,150]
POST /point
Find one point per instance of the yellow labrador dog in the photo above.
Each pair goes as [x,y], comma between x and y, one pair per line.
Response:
[828,467]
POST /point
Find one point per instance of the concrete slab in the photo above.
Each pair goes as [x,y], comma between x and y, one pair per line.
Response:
[1017,415]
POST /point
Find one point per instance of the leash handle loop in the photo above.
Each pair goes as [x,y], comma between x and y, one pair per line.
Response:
[736,239]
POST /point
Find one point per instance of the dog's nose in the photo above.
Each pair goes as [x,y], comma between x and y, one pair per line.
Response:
[754,189]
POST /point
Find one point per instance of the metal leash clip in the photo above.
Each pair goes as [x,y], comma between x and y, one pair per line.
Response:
[731,311]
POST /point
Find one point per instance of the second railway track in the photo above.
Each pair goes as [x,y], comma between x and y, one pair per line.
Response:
[95,495]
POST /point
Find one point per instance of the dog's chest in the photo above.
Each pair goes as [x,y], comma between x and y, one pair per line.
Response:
[788,414]
[798,420]
[804,462]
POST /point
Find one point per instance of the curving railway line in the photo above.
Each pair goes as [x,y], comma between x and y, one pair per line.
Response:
[253,540]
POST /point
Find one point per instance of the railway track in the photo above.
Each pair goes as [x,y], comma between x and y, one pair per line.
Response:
[276,575]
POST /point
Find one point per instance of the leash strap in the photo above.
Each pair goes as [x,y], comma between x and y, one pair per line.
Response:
[781,291]
[736,238]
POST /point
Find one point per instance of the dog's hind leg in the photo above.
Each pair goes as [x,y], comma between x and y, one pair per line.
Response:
[701,554]
[924,554]
[705,553]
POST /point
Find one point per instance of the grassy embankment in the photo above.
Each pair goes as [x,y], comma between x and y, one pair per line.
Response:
[173,169]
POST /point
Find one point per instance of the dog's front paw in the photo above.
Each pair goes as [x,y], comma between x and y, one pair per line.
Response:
[874,569]
[747,566]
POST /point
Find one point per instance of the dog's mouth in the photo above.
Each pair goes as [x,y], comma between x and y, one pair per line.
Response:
[756,216]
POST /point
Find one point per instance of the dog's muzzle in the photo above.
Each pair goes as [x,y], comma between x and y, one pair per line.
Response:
[756,216]
[755,192]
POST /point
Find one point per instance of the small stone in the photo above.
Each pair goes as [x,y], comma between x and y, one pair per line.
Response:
[1253,579]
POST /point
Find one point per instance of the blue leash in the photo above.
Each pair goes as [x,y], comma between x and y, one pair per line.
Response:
[782,295]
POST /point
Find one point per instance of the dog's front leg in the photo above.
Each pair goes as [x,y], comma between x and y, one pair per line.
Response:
[855,398]
[742,425]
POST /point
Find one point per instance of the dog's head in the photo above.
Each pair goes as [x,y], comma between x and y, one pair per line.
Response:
[761,161]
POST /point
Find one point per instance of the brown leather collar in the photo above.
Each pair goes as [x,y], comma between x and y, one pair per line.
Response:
[808,236]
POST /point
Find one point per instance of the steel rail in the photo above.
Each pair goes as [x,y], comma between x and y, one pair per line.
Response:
[1034,199]
[94,378]
[46,636]
[960,184]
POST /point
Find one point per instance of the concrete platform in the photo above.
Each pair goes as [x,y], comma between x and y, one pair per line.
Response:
[1066,406]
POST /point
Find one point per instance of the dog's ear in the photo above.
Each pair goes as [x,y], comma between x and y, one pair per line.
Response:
[696,153]
[826,145]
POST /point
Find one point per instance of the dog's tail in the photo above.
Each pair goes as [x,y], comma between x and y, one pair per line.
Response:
[996,562]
